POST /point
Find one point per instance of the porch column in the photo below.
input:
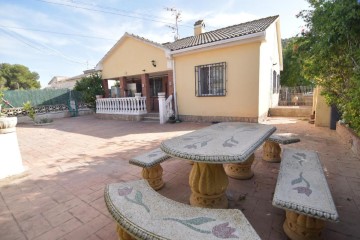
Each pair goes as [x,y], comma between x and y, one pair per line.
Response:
[105,85]
[123,86]
[164,85]
[145,84]
[170,82]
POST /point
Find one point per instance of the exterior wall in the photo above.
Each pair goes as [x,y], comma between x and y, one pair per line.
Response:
[53,115]
[291,111]
[322,110]
[242,85]
[269,61]
[131,57]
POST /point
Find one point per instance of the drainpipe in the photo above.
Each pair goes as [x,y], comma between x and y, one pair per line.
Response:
[175,96]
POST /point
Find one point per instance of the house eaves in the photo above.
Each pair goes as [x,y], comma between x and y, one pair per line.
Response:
[278,34]
[122,39]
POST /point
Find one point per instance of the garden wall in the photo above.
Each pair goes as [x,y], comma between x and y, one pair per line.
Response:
[349,136]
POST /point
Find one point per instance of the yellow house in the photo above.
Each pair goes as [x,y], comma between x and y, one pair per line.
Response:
[229,74]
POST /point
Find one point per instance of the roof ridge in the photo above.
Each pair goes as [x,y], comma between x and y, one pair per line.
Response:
[243,23]
[144,39]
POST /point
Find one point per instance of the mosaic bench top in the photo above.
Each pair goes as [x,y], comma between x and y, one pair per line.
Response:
[149,159]
[301,186]
[146,214]
[284,138]
[227,142]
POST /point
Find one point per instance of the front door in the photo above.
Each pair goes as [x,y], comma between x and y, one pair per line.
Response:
[156,86]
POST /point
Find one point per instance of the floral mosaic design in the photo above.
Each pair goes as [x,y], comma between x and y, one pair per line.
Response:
[302,190]
[197,144]
[138,199]
[300,157]
[222,230]
[231,142]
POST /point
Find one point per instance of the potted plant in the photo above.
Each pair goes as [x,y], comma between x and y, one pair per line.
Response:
[7,124]
[172,119]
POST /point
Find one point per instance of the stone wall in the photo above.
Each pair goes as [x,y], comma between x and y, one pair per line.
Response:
[191,118]
[122,117]
[53,115]
[349,137]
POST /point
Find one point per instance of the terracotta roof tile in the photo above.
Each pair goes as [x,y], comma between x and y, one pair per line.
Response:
[238,30]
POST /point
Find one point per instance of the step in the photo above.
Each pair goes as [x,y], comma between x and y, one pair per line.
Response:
[291,111]
[151,117]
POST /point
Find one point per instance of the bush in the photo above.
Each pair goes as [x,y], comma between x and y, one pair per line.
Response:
[30,110]
[90,86]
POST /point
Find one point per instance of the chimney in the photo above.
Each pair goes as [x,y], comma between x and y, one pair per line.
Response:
[199,27]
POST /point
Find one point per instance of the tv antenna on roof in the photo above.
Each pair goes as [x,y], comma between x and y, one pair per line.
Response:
[175,28]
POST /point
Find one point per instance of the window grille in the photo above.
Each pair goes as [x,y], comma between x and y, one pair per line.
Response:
[274,82]
[210,80]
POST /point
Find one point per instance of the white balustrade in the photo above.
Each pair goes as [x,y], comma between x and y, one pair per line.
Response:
[168,106]
[130,105]
[165,107]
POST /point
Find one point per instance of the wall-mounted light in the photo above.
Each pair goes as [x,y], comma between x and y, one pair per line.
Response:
[153,62]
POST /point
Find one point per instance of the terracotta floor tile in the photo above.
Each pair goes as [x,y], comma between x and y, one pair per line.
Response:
[60,196]
[60,230]
[9,228]
[84,212]
[108,232]
[59,219]
[35,226]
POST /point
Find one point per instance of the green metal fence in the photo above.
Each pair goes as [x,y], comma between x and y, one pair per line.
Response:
[40,97]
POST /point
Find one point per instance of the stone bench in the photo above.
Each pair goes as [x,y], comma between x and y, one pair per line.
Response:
[302,190]
[272,150]
[152,170]
[142,213]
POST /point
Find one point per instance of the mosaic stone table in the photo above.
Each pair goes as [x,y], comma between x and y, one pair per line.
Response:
[231,143]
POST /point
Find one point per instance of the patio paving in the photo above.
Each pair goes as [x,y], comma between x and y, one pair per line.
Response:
[60,196]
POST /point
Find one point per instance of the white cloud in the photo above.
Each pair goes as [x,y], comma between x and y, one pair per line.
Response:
[225,19]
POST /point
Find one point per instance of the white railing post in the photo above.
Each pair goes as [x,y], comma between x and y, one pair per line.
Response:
[162,108]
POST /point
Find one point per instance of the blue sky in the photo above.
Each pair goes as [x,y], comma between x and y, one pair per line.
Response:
[65,37]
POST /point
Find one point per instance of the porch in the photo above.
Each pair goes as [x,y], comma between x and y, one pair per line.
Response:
[146,86]
[135,96]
